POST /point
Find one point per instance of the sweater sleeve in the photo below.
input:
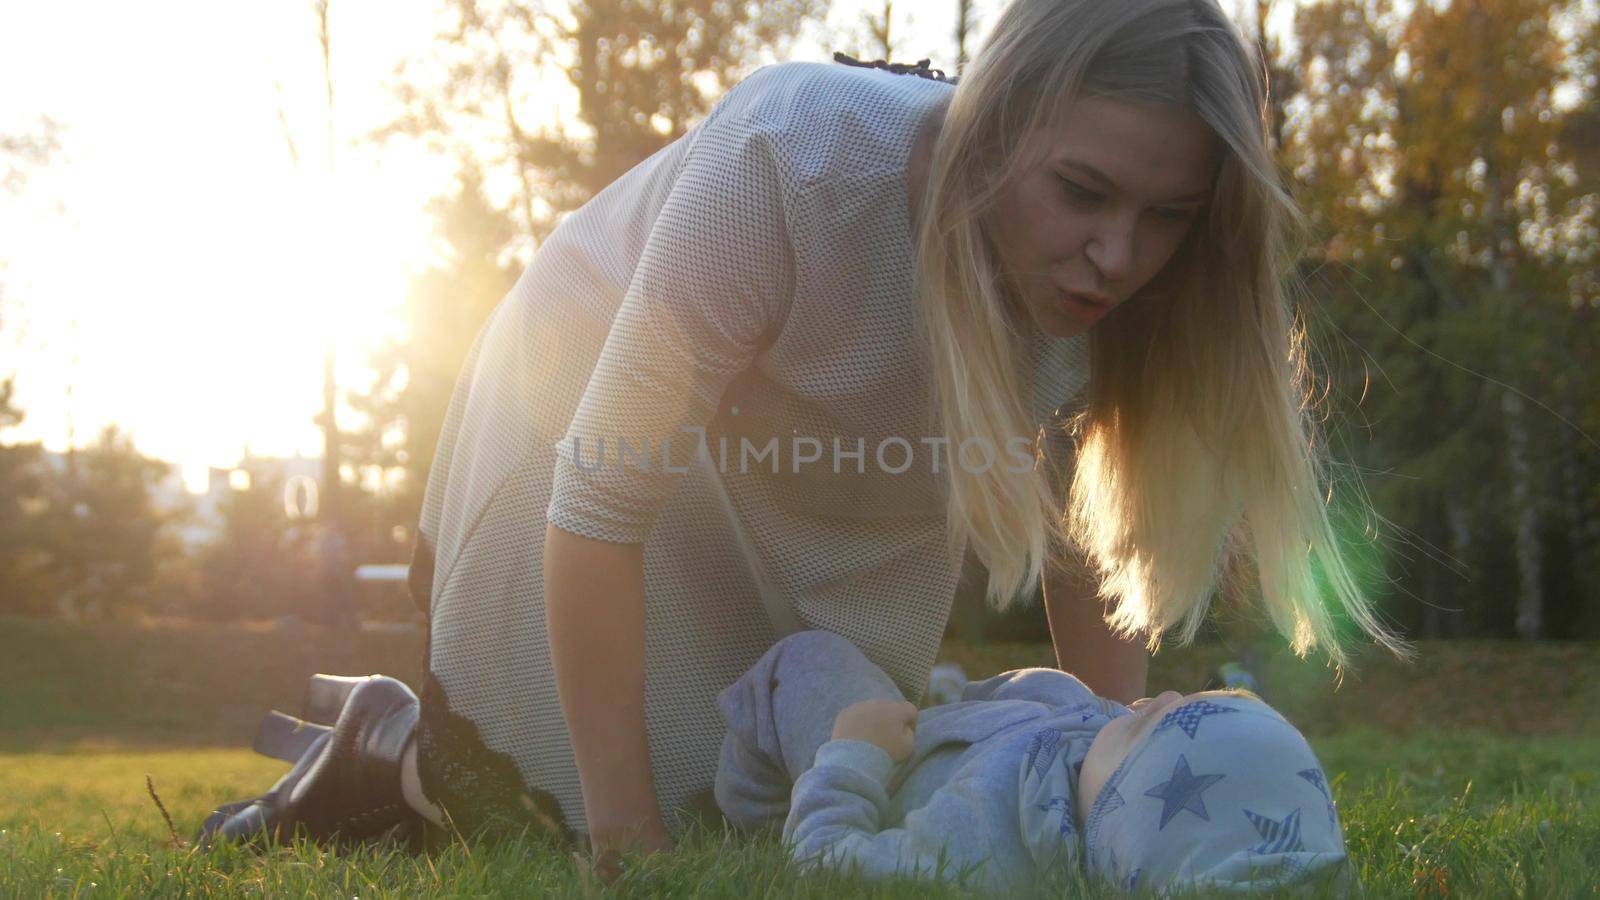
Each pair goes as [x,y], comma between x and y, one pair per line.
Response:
[710,289]
[836,820]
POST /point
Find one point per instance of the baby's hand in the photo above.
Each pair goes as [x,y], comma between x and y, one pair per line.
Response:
[891,724]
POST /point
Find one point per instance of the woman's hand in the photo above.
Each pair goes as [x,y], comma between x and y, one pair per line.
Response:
[890,724]
[606,847]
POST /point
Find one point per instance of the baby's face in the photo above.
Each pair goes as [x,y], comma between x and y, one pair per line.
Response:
[1119,737]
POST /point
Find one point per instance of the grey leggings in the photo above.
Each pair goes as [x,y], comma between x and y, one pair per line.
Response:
[778,714]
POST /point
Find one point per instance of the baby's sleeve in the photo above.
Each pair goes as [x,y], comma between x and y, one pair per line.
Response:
[709,291]
[836,821]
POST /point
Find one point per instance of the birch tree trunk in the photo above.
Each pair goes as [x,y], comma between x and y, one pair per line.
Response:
[1530,594]
[1459,522]
[1580,530]
[1525,515]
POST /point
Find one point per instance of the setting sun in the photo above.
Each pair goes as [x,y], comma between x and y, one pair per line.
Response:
[180,267]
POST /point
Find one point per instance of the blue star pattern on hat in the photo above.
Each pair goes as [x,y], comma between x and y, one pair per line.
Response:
[1065,805]
[1277,837]
[1130,881]
[1189,715]
[1290,868]
[1042,749]
[1182,792]
[1317,779]
[1246,833]
[1281,868]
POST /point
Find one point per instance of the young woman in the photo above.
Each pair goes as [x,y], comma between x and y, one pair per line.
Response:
[883,282]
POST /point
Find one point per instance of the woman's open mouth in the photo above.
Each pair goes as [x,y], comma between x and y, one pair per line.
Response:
[1082,307]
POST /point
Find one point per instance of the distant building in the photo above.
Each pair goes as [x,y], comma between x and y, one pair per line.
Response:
[299,477]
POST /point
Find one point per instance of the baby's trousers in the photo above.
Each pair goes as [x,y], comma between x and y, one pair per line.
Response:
[780,712]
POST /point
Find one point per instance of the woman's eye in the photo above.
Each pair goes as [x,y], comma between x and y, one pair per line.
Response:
[1083,196]
[1078,192]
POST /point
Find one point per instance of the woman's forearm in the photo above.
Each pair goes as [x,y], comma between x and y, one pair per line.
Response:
[1085,646]
[594,607]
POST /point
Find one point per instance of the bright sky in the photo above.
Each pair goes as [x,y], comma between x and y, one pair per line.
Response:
[174,267]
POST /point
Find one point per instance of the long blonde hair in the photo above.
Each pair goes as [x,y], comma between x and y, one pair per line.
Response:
[1197,443]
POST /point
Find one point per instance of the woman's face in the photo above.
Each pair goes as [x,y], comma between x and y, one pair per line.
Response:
[1119,186]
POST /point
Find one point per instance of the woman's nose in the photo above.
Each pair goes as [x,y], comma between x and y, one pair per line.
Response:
[1111,250]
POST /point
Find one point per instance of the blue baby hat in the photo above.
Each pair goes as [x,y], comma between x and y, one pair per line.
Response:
[1223,794]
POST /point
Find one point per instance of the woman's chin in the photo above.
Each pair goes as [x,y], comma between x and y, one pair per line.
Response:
[1057,324]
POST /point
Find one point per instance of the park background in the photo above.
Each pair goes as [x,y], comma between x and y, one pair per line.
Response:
[245,247]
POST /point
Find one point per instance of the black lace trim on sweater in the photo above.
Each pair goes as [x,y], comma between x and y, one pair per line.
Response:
[482,790]
[919,68]
[419,575]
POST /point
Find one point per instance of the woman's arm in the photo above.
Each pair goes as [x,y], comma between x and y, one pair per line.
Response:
[711,288]
[594,607]
[1084,644]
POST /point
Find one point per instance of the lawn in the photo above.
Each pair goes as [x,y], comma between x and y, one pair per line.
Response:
[1475,773]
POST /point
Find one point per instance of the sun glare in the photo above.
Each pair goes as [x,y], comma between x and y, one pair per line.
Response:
[182,266]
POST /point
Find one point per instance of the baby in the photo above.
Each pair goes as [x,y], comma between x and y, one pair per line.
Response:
[1029,771]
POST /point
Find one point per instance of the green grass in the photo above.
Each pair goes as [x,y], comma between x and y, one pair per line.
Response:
[1449,782]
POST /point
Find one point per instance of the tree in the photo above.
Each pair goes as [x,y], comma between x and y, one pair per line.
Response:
[880,28]
[964,22]
[19,153]
[261,564]
[102,540]
[21,503]
[20,509]
[643,73]
[1428,145]
[404,409]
